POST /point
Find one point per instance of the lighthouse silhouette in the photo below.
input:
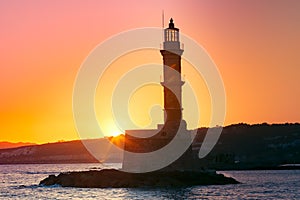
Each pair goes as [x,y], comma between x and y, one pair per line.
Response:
[151,140]
[172,83]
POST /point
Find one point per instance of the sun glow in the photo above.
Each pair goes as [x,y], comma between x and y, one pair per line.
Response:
[115,133]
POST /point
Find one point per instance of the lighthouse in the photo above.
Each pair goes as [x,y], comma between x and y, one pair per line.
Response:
[172,82]
[174,127]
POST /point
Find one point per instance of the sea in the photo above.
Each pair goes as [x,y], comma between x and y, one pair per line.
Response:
[22,182]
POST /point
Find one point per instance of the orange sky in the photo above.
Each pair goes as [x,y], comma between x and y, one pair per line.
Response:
[254,43]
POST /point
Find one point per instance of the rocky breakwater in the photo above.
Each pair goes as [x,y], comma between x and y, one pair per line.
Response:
[111,178]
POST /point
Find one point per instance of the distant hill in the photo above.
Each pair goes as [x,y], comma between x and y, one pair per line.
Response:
[240,146]
[259,146]
[62,152]
[7,145]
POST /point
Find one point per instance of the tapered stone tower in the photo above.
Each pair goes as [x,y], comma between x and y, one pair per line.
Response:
[172,83]
[174,127]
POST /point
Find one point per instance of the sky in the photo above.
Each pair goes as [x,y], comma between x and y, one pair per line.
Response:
[255,45]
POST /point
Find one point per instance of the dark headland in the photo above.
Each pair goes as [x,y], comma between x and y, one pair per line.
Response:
[275,146]
[112,178]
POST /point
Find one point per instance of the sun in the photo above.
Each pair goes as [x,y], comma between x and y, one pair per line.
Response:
[112,130]
[115,133]
[109,127]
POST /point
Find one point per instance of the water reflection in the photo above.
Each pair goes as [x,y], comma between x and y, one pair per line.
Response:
[21,181]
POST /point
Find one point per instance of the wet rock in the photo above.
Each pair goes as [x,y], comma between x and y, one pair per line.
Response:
[111,178]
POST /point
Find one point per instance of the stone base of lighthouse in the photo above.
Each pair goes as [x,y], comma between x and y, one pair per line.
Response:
[159,147]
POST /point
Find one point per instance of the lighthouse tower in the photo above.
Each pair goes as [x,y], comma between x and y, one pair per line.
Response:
[174,127]
[172,82]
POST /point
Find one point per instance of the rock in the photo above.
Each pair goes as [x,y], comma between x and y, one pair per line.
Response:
[111,178]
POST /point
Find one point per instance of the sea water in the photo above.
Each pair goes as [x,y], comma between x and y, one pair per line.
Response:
[22,182]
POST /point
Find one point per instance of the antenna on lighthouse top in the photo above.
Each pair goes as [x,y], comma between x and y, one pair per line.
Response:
[163,19]
[162,24]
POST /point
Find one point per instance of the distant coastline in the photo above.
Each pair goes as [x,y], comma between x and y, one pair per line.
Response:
[9,145]
[240,147]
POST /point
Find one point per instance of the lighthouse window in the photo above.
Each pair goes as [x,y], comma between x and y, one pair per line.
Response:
[171,35]
[168,35]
